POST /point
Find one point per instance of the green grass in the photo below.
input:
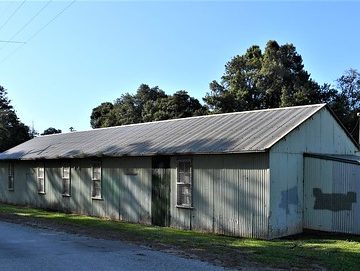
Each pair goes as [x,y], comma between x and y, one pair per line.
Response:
[335,252]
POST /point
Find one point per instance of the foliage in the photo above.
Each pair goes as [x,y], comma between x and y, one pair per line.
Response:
[148,104]
[257,80]
[51,130]
[306,251]
[347,101]
[277,78]
[12,130]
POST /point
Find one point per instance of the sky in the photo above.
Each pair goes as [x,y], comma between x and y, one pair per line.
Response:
[68,57]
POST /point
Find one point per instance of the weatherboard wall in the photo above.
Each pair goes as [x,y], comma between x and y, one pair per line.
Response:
[331,193]
[321,134]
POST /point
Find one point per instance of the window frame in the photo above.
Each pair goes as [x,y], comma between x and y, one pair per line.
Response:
[63,178]
[180,204]
[11,176]
[40,178]
[95,179]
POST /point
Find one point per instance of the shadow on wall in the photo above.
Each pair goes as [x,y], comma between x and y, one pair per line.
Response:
[333,201]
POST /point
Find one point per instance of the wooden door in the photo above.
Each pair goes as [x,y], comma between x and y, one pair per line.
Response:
[160,206]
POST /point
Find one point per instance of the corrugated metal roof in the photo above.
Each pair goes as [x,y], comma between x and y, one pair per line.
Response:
[240,132]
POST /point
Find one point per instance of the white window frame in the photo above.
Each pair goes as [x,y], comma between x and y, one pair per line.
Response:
[11,173]
[40,178]
[181,183]
[96,178]
[66,180]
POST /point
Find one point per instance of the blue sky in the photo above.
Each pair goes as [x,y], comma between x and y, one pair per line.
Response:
[95,50]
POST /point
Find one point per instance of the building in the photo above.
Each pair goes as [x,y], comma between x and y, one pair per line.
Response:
[261,174]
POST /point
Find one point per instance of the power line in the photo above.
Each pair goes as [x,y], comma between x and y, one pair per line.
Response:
[12,14]
[38,31]
[11,41]
[53,19]
[28,22]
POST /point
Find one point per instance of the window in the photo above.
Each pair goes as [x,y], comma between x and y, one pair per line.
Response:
[184,183]
[41,179]
[96,180]
[11,177]
[66,181]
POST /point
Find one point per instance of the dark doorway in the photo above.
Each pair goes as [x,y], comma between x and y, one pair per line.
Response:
[160,206]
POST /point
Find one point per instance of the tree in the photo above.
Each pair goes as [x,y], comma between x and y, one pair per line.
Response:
[100,115]
[12,130]
[346,104]
[148,104]
[178,105]
[257,80]
[51,130]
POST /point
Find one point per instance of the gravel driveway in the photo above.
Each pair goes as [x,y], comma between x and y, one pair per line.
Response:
[27,248]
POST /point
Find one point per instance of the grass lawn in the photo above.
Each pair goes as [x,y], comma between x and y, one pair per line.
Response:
[335,252]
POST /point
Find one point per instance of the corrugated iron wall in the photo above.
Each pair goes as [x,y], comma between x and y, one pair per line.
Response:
[332,195]
[230,195]
[321,134]
[230,192]
[126,187]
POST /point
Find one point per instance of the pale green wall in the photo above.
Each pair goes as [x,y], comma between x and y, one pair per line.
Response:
[126,197]
[230,195]
[230,192]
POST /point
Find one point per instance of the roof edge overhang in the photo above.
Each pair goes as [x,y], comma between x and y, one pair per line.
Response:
[320,107]
[135,155]
[356,143]
[334,157]
[325,106]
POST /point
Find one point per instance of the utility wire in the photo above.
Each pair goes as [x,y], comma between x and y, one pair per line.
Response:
[11,41]
[38,31]
[53,19]
[12,14]
[28,22]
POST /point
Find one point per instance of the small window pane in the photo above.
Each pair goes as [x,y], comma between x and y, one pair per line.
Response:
[181,177]
[66,182]
[41,185]
[187,167]
[96,191]
[40,172]
[66,187]
[96,180]
[184,183]
[187,178]
[184,195]
[96,174]
[66,172]
[11,183]
[11,176]
[41,179]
